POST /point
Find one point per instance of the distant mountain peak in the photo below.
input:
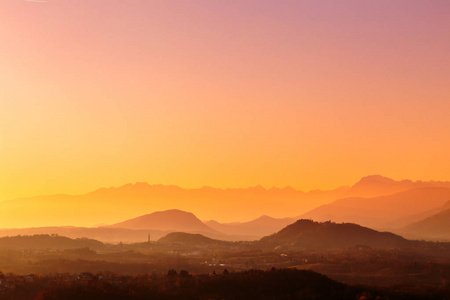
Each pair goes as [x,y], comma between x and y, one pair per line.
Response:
[174,211]
[168,213]
[265,217]
[257,188]
[136,184]
[377,185]
[172,219]
[374,179]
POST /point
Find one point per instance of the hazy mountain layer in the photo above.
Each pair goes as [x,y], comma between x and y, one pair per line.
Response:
[258,228]
[112,205]
[135,230]
[435,227]
[384,212]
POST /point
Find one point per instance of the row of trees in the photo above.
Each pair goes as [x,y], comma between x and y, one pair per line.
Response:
[252,284]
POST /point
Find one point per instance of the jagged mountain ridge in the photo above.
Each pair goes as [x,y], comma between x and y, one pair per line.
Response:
[112,205]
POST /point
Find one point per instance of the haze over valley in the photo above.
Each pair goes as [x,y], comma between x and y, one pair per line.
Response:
[376,202]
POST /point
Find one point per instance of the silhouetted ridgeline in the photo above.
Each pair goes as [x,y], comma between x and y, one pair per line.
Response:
[103,234]
[314,235]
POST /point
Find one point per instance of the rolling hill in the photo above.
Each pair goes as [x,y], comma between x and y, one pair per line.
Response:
[103,234]
[308,234]
[42,242]
[189,239]
[384,212]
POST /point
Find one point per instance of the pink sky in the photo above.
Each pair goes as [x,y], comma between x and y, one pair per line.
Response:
[311,94]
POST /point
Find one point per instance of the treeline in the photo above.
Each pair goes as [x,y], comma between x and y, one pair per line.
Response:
[252,284]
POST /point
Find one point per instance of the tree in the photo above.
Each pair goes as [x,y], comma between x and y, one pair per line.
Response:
[172,273]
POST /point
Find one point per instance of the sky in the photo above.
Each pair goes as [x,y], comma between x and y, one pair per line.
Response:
[308,94]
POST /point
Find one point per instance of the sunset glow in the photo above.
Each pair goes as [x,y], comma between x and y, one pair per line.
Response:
[308,94]
[224,149]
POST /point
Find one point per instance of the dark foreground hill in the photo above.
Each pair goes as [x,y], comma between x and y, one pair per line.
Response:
[252,284]
[314,235]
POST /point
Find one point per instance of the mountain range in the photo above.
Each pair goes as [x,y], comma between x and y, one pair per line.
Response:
[302,233]
[375,201]
[113,205]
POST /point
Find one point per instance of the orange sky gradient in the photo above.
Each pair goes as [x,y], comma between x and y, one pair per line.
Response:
[310,94]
